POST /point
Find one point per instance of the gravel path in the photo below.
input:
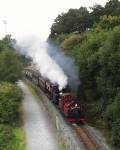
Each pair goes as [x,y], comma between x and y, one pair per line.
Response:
[39,130]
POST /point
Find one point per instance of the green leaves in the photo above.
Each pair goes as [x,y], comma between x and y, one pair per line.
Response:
[112,7]
[10,98]
[113,118]
[5,137]
[72,21]
[70,42]
[109,22]
[10,66]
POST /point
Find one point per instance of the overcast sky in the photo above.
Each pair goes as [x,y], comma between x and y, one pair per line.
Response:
[26,17]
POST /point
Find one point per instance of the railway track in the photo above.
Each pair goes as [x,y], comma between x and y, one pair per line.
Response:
[89,142]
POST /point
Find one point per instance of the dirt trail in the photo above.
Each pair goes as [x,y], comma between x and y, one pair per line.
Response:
[39,130]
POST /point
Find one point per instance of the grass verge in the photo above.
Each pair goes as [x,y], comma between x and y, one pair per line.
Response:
[12,136]
[18,139]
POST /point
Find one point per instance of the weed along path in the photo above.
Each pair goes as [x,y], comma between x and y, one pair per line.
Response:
[40,133]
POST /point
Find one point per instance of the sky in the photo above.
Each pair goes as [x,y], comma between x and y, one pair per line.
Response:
[26,17]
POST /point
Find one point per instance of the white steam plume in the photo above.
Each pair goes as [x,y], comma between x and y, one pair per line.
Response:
[37,50]
[66,63]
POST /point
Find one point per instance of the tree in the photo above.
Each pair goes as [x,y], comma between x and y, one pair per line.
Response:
[6,43]
[108,80]
[72,21]
[10,66]
[97,12]
[112,8]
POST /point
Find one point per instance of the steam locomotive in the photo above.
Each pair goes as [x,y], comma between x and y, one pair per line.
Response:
[65,100]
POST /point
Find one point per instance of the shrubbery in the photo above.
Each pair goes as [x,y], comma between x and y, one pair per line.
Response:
[113,119]
[10,98]
[61,38]
[10,66]
[109,22]
[70,42]
[5,137]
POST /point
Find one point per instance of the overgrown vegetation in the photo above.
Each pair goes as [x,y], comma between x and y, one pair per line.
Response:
[10,99]
[10,96]
[18,139]
[96,48]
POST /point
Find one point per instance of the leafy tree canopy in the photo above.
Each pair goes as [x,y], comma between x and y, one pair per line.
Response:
[74,20]
[112,7]
[80,20]
[10,66]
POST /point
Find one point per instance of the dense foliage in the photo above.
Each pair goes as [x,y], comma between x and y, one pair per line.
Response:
[5,137]
[10,63]
[10,66]
[10,98]
[96,50]
[74,20]
[113,118]
[10,94]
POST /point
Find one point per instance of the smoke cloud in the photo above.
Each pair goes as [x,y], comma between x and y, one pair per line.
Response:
[66,63]
[38,50]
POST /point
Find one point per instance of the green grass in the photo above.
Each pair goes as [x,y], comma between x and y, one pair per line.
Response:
[19,139]
[12,137]
[63,147]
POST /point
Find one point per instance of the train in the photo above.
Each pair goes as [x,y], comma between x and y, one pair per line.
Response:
[66,101]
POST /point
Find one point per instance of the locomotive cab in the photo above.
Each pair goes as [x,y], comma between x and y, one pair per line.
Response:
[64,98]
[73,111]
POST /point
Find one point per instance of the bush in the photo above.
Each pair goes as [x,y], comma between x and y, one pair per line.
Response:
[10,66]
[61,38]
[109,22]
[5,137]
[70,42]
[10,98]
[116,133]
[113,119]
